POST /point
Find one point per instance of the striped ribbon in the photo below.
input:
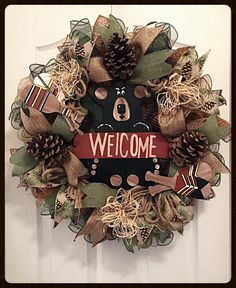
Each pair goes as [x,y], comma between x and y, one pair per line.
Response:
[37,97]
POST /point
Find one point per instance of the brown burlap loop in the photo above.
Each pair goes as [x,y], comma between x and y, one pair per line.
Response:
[149,206]
[172,124]
[35,123]
[94,227]
[159,206]
[97,71]
[142,196]
[216,165]
[24,136]
[137,29]
[129,36]
[143,38]
[195,119]
[74,169]
[178,53]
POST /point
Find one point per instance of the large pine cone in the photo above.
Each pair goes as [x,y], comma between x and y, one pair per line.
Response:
[48,149]
[119,60]
[188,148]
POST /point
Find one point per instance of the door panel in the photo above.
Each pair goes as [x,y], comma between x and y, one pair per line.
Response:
[35,252]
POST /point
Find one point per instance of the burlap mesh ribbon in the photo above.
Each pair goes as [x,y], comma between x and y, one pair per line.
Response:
[36,123]
[98,73]
[74,169]
[143,39]
[172,124]
[94,227]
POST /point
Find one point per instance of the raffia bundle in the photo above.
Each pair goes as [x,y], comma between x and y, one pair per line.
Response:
[176,93]
[121,213]
[71,79]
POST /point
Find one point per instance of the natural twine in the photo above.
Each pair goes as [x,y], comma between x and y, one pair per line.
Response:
[173,93]
[177,93]
[71,79]
[121,214]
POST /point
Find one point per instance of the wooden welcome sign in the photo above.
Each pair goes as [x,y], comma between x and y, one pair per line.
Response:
[121,145]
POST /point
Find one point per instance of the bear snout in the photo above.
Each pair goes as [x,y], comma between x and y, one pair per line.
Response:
[121,110]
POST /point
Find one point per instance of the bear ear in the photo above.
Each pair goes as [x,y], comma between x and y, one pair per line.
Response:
[140,91]
[101,93]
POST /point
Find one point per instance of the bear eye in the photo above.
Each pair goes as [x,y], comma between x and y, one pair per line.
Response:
[101,93]
[118,92]
[123,92]
[140,91]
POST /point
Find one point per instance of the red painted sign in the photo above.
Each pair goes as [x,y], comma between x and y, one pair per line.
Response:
[121,145]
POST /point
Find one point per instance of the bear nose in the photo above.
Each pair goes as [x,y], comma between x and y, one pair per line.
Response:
[121,109]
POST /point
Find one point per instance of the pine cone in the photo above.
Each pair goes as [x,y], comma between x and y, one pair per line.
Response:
[119,60]
[188,148]
[48,149]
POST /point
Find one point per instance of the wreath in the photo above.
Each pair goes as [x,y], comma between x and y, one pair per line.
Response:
[121,133]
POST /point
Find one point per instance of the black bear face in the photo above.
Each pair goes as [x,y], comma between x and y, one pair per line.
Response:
[121,106]
[121,112]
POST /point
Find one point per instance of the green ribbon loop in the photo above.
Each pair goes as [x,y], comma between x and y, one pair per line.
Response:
[80,31]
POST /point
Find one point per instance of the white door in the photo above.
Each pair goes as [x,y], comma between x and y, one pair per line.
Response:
[37,253]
